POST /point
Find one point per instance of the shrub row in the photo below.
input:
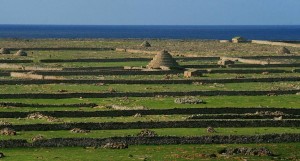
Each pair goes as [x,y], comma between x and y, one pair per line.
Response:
[174,111]
[182,81]
[149,125]
[145,94]
[159,140]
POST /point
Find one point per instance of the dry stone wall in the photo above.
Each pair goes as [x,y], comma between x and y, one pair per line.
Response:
[145,94]
[183,81]
[118,113]
[158,140]
[275,43]
[152,125]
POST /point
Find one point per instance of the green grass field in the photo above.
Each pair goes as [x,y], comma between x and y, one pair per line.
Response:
[149,152]
[179,49]
[161,132]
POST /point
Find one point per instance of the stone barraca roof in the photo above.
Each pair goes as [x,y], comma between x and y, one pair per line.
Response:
[163,58]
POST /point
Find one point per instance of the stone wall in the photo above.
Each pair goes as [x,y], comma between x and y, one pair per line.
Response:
[253,65]
[94,60]
[160,140]
[21,67]
[34,76]
[154,124]
[15,61]
[66,48]
[144,94]
[181,81]
[171,111]
[275,43]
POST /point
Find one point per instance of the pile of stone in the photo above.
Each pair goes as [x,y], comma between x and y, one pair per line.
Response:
[137,115]
[211,130]
[246,151]
[118,107]
[78,130]
[188,100]
[38,115]
[7,132]
[269,113]
[4,123]
[115,145]
[37,138]
[62,91]
[147,133]
[278,118]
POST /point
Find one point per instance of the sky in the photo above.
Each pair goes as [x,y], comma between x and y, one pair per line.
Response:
[151,12]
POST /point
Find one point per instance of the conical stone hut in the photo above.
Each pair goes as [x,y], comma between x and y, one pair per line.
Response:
[145,44]
[4,51]
[21,53]
[162,60]
[283,50]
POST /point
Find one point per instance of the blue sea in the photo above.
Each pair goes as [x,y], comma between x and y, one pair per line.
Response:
[291,33]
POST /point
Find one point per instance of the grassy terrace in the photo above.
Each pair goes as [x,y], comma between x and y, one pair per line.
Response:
[161,132]
[197,47]
[22,121]
[151,152]
[282,101]
[77,88]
